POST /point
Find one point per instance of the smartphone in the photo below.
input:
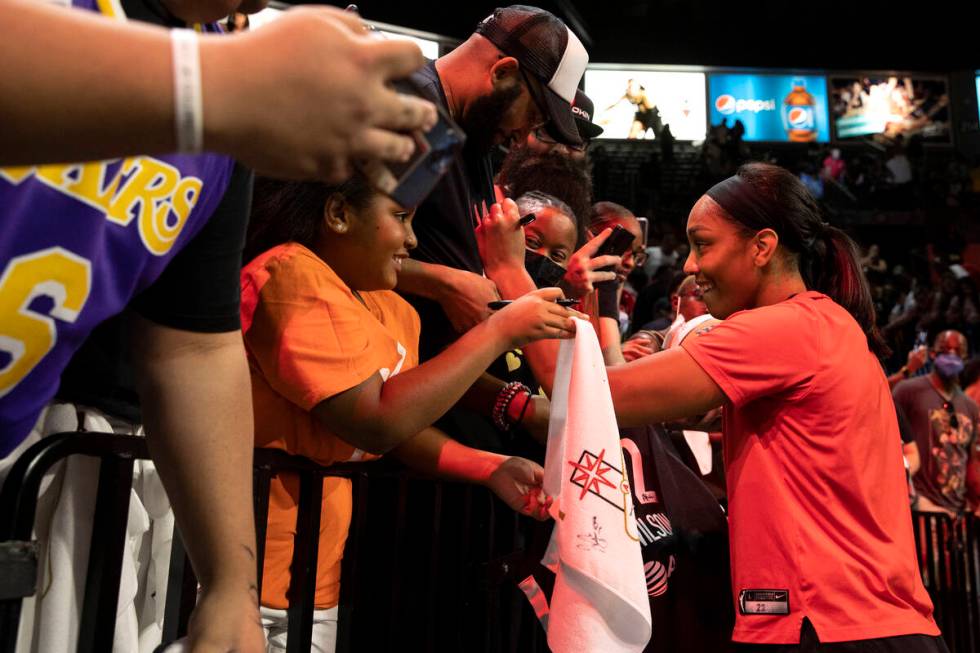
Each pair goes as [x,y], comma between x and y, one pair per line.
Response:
[434,153]
[921,339]
[618,242]
[410,182]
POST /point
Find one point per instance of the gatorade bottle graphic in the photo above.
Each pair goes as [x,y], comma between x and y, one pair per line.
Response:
[800,113]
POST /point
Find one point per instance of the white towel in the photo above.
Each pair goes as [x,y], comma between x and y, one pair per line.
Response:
[600,601]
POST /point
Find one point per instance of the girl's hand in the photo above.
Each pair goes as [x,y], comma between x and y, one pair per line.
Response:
[535,316]
[583,267]
[500,238]
[517,482]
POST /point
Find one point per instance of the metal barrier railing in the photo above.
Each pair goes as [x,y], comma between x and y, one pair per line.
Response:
[429,566]
[427,555]
[949,559]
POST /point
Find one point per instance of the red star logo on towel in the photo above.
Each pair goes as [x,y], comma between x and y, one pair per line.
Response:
[590,471]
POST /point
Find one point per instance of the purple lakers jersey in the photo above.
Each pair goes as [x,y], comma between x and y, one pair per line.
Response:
[78,242]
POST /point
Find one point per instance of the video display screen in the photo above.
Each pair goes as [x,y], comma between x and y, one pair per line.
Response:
[640,104]
[978,95]
[892,106]
[788,108]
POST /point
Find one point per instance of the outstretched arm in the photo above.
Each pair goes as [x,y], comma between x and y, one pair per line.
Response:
[55,91]
[515,480]
[378,415]
[199,430]
[662,387]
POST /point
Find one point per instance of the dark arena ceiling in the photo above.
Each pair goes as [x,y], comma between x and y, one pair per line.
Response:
[828,34]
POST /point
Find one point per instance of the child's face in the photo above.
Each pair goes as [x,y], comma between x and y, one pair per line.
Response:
[552,235]
[377,243]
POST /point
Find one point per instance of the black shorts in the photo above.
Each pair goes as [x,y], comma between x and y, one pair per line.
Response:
[810,644]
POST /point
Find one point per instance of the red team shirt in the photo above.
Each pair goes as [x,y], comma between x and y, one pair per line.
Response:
[819,516]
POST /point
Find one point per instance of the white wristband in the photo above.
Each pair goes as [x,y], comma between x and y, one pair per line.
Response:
[188,106]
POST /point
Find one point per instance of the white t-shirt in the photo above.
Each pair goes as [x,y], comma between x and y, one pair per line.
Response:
[900,168]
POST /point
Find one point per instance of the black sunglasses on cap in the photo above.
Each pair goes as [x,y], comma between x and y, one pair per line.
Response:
[951,412]
[543,135]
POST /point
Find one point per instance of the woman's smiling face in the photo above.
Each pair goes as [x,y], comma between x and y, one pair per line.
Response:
[721,260]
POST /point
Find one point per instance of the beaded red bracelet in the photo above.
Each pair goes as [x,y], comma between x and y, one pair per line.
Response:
[504,397]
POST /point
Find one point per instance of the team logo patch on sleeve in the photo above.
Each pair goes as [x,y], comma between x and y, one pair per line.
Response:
[705,329]
[763,602]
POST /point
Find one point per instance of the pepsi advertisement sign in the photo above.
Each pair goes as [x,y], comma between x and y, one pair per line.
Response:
[789,108]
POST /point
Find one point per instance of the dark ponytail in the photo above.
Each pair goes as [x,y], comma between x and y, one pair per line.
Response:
[763,196]
[836,271]
[292,211]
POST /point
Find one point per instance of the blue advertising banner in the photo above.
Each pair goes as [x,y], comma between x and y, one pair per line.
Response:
[772,107]
[978,93]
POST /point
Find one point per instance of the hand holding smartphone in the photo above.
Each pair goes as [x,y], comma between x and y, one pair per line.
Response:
[617,244]
[409,183]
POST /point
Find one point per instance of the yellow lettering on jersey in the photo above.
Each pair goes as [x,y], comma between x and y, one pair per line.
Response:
[150,191]
[111,8]
[17,174]
[28,336]
[157,233]
[150,182]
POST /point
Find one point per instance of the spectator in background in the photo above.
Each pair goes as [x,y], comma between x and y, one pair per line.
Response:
[970,379]
[736,149]
[517,71]
[654,315]
[548,166]
[875,268]
[898,167]
[667,141]
[525,170]
[662,254]
[691,310]
[236,22]
[606,215]
[914,300]
[944,421]
[834,167]
[914,361]
[812,180]
[935,314]
[963,311]
[974,175]
[553,235]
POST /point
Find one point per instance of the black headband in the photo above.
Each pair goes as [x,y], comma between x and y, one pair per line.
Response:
[747,205]
[757,211]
